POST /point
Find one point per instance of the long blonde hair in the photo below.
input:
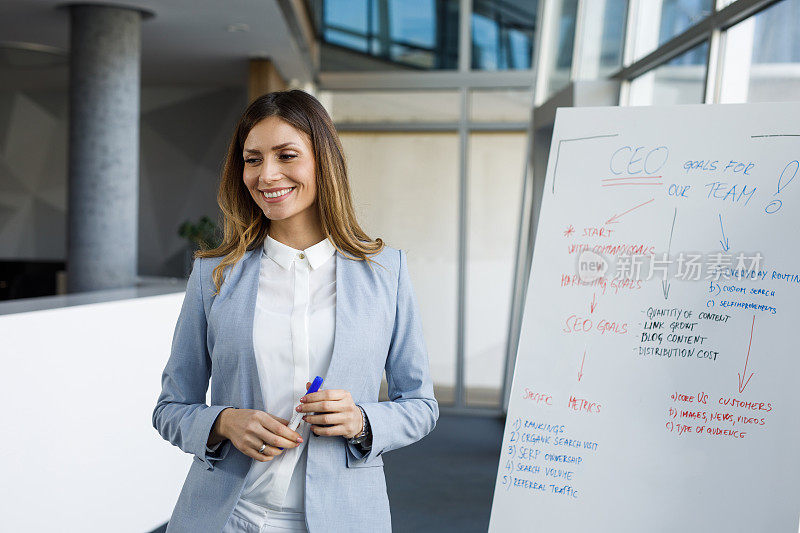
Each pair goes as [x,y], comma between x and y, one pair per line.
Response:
[246,226]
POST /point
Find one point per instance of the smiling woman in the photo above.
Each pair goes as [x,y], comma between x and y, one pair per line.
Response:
[300,299]
[286,139]
[282,177]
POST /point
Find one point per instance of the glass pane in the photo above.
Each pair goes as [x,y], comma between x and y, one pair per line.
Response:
[495,162]
[559,63]
[349,40]
[679,81]
[678,15]
[405,191]
[504,105]
[391,106]
[602,38]
[658,21]
[502,34]
[346,14]
[387,34]
[762,56]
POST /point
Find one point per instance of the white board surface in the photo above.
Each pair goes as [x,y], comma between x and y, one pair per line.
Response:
[667,400]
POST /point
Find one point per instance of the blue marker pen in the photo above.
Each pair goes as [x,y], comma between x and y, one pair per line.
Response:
[294,423]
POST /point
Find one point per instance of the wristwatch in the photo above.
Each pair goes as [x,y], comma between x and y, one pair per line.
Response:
[365,432]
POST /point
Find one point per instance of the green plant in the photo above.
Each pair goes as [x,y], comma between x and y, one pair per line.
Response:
[203,235]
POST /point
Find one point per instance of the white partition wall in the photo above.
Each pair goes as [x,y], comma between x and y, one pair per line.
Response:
[78,389]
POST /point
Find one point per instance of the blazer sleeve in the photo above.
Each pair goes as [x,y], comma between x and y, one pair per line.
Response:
[181,415]
[412,410]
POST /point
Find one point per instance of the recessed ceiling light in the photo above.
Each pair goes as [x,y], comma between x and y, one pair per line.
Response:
[238,27]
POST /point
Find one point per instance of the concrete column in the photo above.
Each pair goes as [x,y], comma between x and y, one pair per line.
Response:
[103,199]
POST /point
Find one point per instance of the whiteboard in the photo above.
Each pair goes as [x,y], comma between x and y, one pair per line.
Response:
[650,393]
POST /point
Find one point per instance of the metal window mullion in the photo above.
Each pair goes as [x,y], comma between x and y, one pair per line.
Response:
[399,127]
[692,36]
[537,44]
[546,31]
[628,49]
[464,67]
[624,93]
[577,41]
[443,80]
[464,36]
[410,127]
[516,303]
[671,49]
[463,138]
[497,126]
[713,67]
[629,41]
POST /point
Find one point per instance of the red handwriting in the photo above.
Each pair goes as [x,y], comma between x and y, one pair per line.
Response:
[700,417]
[613,219]
[755,406]
[701,397]
[722,417]
[577,324]
[583,405]
[597,232]
[537,397]
[718,432]
[613,248]
[642,180]
[743,382]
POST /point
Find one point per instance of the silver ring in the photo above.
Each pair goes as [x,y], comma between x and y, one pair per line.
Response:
[262,447]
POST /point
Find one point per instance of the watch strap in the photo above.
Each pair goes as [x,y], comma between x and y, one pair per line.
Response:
[365,431]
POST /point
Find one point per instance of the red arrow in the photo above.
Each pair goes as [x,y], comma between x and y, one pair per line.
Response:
[613,220]
[593,305]
[742,383]
[580,372]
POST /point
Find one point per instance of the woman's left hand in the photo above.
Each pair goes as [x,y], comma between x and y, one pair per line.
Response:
[334,408]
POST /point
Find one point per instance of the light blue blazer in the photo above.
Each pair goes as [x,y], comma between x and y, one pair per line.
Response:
[377,327]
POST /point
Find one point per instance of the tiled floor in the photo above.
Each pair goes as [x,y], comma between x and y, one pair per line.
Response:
[445,482]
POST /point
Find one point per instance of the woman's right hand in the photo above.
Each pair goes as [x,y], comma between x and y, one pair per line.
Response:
[249,429]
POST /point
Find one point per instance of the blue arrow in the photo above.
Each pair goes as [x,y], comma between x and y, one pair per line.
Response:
[724,241]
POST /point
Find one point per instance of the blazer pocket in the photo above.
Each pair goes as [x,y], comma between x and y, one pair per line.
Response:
[352,462]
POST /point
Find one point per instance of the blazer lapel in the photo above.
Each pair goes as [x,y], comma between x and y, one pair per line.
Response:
[251,392]
[251,389]
[343,327]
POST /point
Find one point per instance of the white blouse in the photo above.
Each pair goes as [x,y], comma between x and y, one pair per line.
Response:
[293,330]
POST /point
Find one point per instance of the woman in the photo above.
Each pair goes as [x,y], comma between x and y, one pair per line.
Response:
[306,292]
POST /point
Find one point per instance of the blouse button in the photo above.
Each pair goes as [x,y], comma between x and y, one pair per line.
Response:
[301,256]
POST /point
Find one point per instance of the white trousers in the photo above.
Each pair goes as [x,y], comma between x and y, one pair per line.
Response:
[249,517]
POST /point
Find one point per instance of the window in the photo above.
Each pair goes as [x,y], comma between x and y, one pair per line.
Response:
[559,62]
[762,56]
[602,38]
[387,34]
[502,34]
[658,21]
[679,81]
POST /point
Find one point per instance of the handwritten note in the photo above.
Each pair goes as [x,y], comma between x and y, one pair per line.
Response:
[657,366]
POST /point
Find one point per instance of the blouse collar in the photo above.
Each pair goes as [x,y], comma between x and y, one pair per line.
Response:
[284,254]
